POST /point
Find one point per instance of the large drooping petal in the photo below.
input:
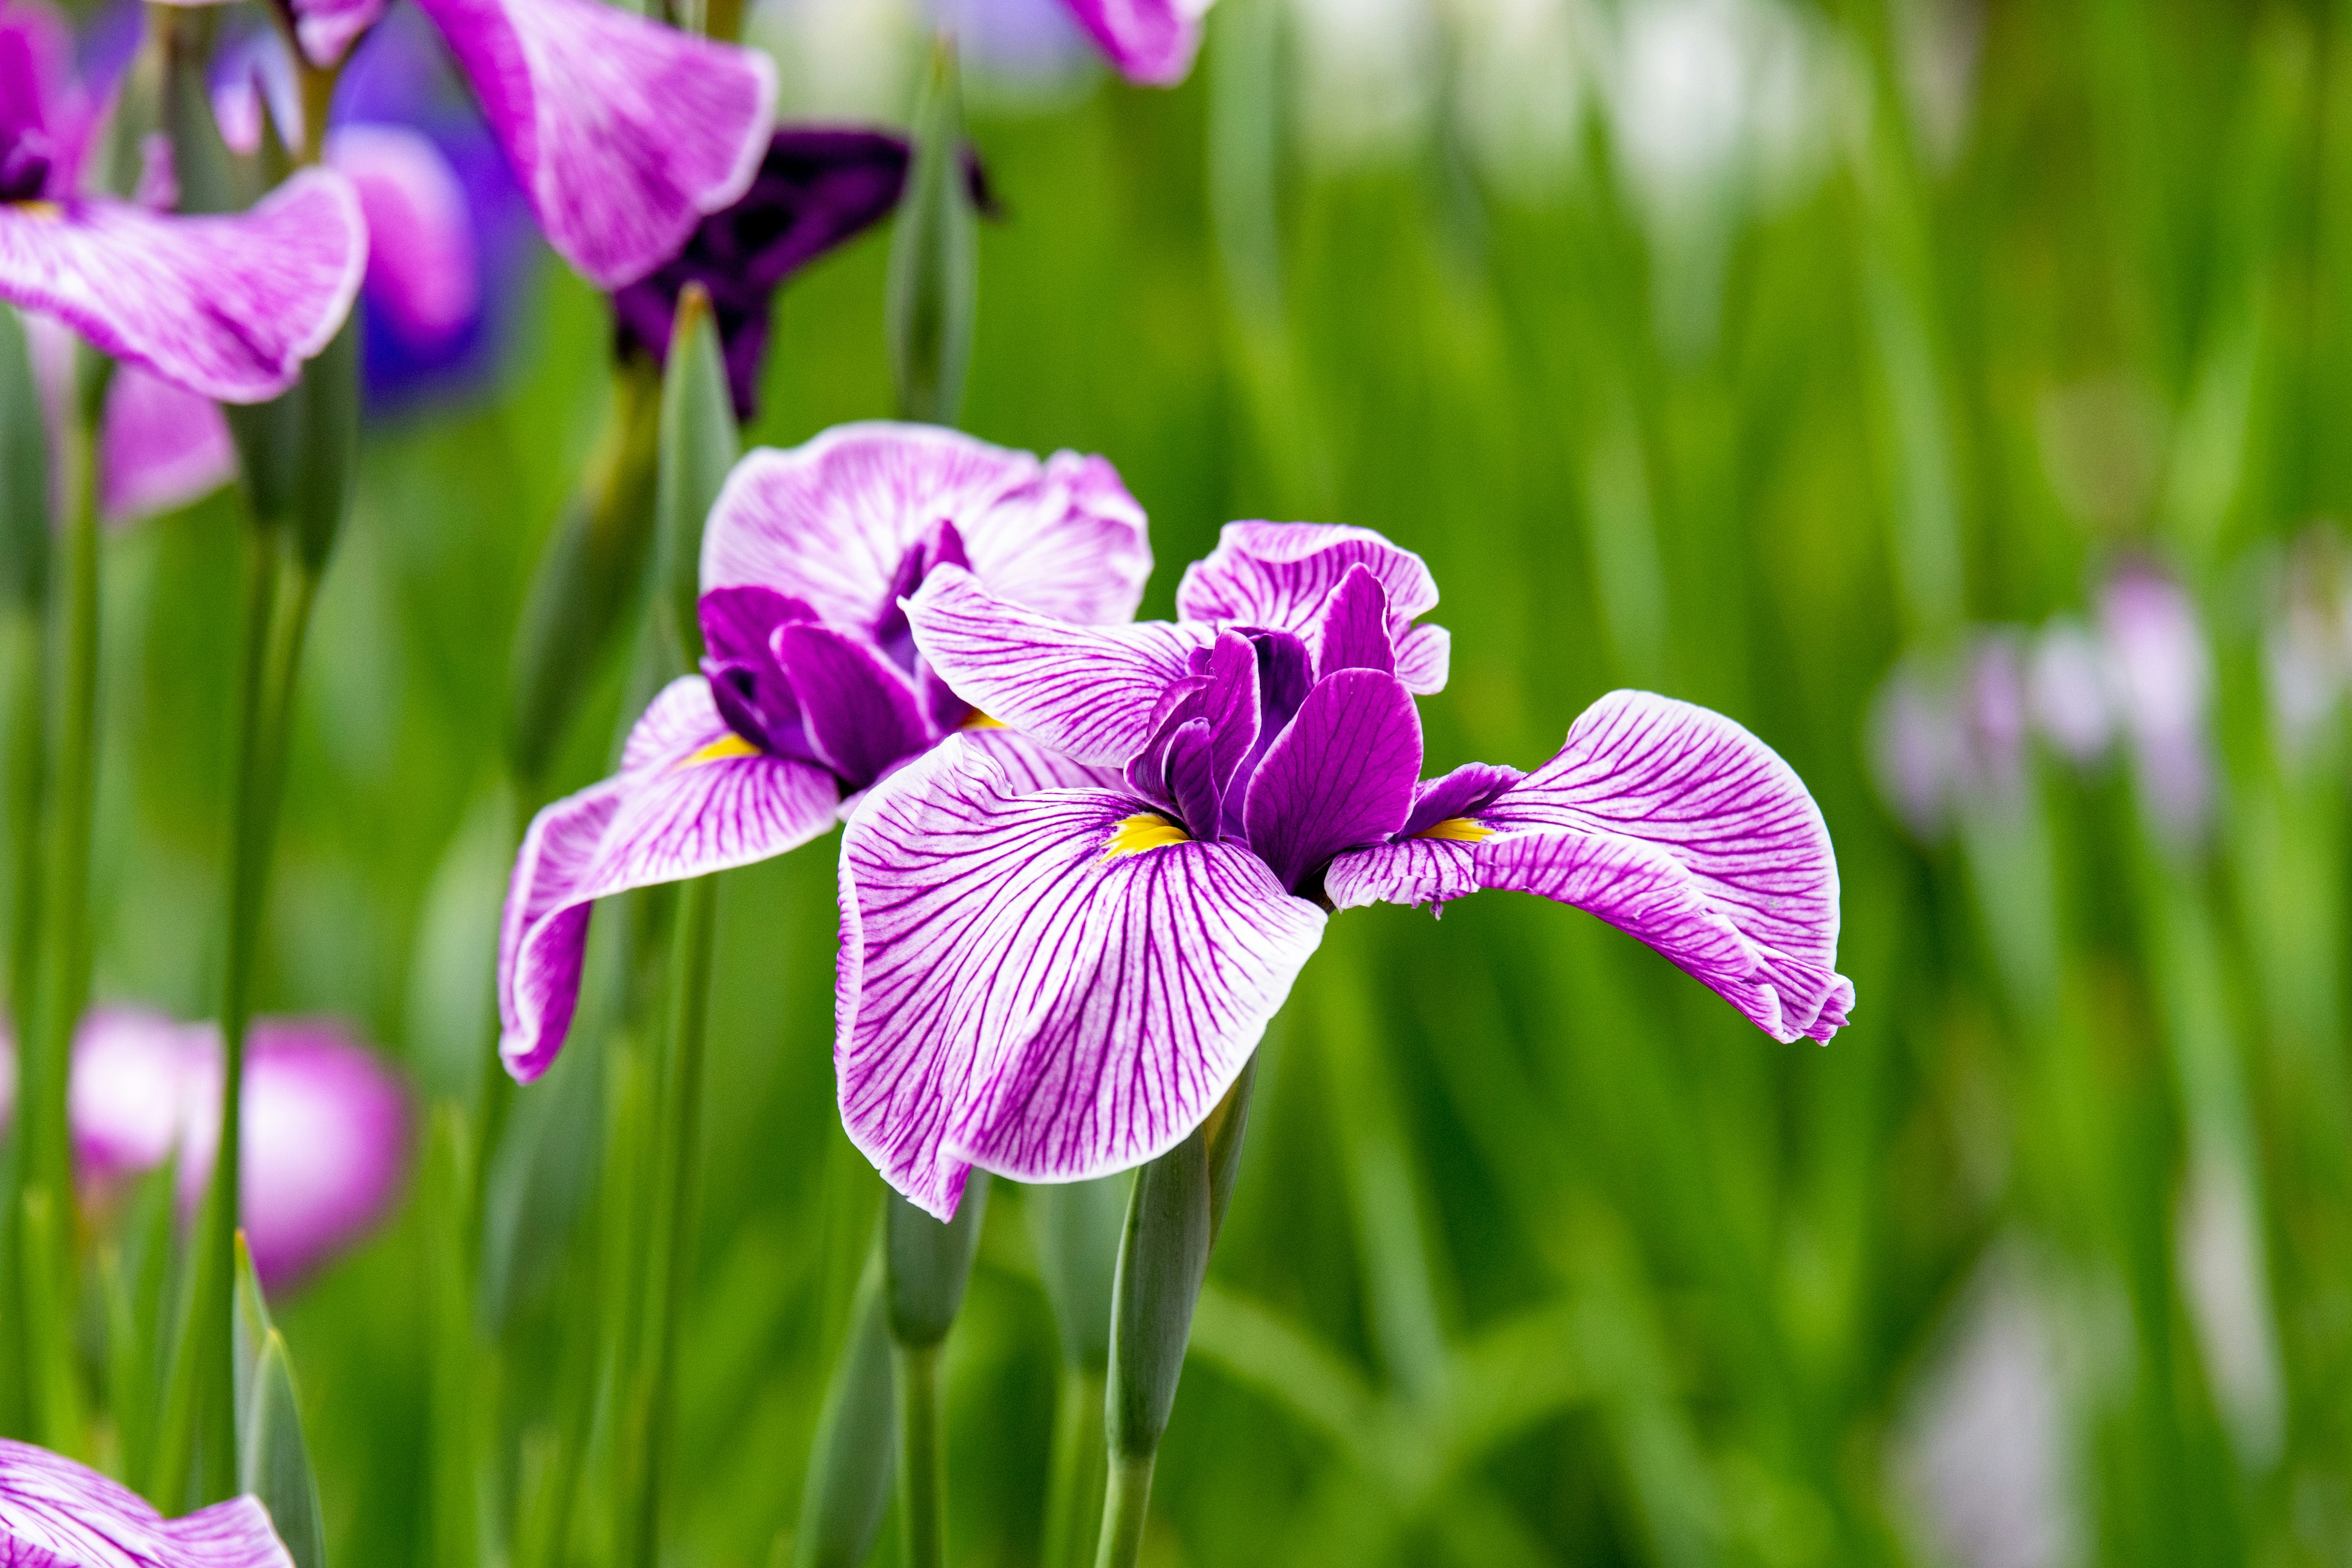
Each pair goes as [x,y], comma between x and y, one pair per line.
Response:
[1150,41]
[1020,992]
[423,273]
[1282,574]
[55,1513]
[1091,691]
[326,1141]
[624,132]
[227,308]
[160,448]
[1340,777]
[693,797]
[829,523]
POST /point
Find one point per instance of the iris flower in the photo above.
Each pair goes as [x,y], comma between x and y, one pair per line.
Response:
[623,132]
[55,1513]
[811,689]
[1149,41]
[326,1126]
[1056,983]
[227,308]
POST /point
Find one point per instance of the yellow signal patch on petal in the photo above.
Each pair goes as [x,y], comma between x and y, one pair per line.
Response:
[1457,830]
[730,744]
[1145,831]
[979,721]
[47,211]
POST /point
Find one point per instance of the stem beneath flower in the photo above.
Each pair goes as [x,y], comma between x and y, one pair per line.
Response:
[22,643]
[698,912]
[1081,1463]
[1126,1505]
[922,1458]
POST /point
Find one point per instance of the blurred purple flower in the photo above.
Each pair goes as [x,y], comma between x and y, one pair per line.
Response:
[816,189]
[2067,688]
[1056,971]
[811,689]
[2162,675]
[325,1137]
[1149,41]
[56,1513]
[623,134]
[226,307]
[2308,642]
[1944,740]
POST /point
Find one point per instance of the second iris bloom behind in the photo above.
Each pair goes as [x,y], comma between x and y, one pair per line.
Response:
[1062,940]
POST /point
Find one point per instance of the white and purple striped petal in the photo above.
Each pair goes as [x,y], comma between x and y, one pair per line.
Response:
[623,132]
[1282,575]
[831,521]
[1093,693]
[423,273]
[693,797]
[1149,41]
[1668,821]
[1029,986]
[227,308]
[55,1513]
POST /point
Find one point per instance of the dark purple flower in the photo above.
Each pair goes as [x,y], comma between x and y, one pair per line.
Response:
[816,189]
[1054,972]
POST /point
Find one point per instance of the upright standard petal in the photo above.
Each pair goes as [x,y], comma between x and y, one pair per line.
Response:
[1150,41]
[55,1513]
[1282,576]
[696,798]
[622,131]
[160,448]
[830,521]
[227,308]
[1030,985]
[422,273]
[1092,692]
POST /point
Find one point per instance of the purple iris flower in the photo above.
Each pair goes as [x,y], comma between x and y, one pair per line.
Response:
[226,307]
[1149,41]
[56,1513]
[815,188]
[1055,979]
[326,1129]
[813,689]
[623,132]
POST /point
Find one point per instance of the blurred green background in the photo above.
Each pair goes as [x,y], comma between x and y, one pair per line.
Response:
[1729,348]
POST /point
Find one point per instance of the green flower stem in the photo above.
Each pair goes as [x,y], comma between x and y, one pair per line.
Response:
[680,1137]
[922,1459]
[1081,1465]
[25,667]
[1125,1506]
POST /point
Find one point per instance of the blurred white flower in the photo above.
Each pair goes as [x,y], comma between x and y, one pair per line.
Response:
[1030,49]
[1914,730]
[2067,691]
[1985,1450]
[1941,42]
[1949,738]
[2161,673]
[1519,93]
[1368,77]
[2307,641]
[2224,1275]
[842,60]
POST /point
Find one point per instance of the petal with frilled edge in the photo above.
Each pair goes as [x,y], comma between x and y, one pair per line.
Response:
[1022,989]
[622,132]
[227,308]
[55,1513]
[829,521]
[1283,575]
[1091,691]
[1149,41]
[422,272]
[160,448]
[1340,777]
[698,800]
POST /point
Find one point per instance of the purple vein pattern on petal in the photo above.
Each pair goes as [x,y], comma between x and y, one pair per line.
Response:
[422,272]
[1009,997]
[829,523]
[160,448]
[622,132]
[55,1513]
[1150,41]
[1091,691]
[1031,769]
[1282,574]
[225,307]
[1717,803]
[1414,869]
[669,816]
[1340,777]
